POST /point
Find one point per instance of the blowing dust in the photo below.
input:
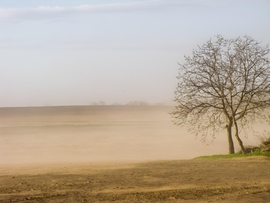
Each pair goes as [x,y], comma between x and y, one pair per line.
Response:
[98,134]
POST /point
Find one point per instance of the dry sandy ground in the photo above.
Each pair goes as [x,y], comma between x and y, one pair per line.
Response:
[228,180]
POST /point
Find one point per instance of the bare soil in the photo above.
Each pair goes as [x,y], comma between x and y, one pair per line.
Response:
[222,180]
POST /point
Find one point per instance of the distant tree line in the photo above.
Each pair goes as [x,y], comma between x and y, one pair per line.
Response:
[132,103]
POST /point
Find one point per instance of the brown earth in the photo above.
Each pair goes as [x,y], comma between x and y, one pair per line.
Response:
[223,180]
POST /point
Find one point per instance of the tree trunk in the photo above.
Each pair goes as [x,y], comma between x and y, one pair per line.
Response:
[238,138]
[230,140]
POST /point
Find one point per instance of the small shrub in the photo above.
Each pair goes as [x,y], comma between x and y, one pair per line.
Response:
[250,151]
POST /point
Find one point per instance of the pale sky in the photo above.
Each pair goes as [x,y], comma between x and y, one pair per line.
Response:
[63,52]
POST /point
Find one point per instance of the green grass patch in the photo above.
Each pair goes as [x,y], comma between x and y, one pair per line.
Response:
[236,155]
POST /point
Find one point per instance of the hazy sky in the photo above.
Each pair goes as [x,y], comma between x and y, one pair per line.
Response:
[66,52]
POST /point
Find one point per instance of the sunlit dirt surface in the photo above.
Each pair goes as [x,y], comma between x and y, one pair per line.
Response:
[233,180]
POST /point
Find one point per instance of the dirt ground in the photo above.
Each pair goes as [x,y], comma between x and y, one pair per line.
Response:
[227,180]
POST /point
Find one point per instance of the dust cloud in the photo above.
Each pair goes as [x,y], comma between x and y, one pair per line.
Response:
[96,134]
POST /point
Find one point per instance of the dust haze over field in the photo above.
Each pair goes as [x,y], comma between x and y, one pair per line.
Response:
[97,134]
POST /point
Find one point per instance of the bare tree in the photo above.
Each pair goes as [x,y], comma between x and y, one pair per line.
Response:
[225,83]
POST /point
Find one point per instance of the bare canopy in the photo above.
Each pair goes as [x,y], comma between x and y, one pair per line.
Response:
[223,84]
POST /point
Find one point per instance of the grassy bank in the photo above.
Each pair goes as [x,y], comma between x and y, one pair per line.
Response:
[236,155]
